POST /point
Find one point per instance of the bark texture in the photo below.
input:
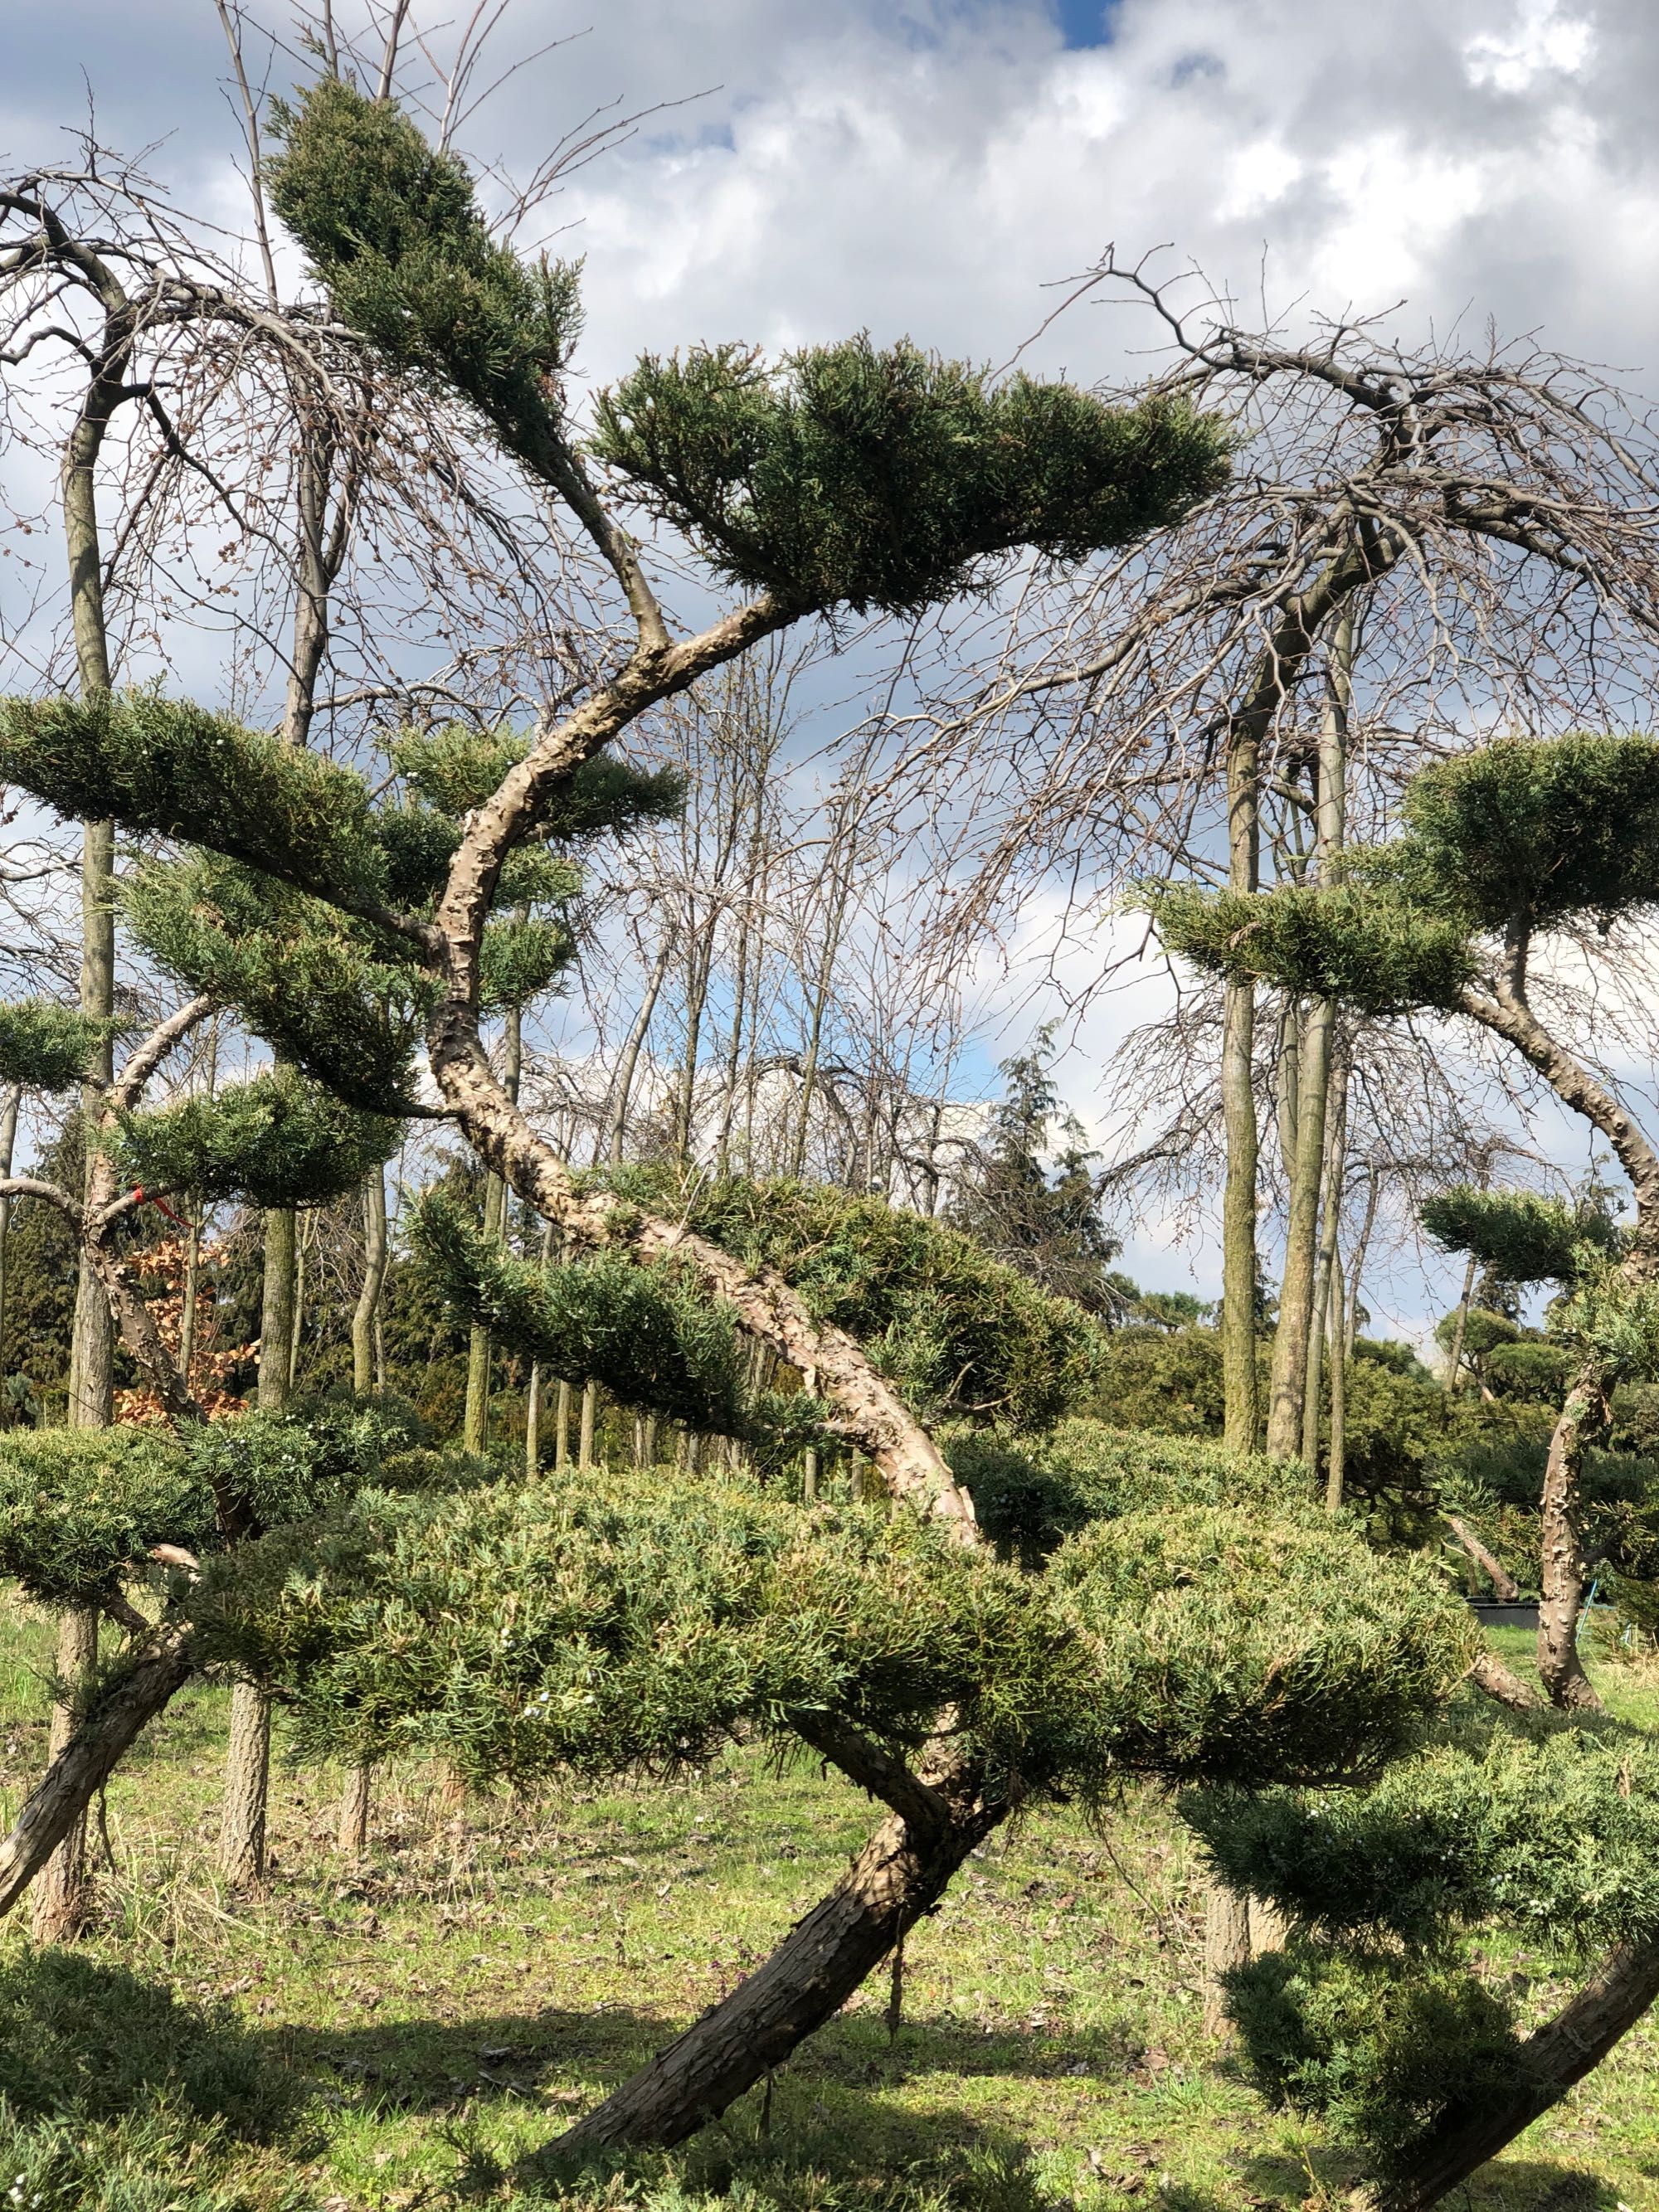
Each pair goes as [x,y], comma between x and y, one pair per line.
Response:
[62,1898]
[59,1800]
[355,1801]
[1584,1419]
[368,1298]
[247,1780]
[901,1871]
[1226,1947]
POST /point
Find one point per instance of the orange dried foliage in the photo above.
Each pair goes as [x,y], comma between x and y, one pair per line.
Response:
[162,1269]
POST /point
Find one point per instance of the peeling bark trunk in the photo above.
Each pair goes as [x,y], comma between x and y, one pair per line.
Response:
[1490,1675]
[1504,1587]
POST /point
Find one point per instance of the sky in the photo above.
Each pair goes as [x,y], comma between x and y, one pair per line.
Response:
[931,168]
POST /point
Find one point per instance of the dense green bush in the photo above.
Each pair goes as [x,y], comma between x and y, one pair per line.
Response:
[604,1623]
[1029,1498]
[1378,2052]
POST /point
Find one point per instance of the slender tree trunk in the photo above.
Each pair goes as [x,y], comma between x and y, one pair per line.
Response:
[562,1428]
[297,1332]
[8,1146]
[1583,1419]
[278,1308]
[1332,1176]
[1459,1331]
[1290,1362]
[368,1298]
[1336,1465]
[616,1134]
[192,1296]
[247,1758]
[1351,1318]
[585,1442]
[247,1780]
[1238,1256]
[55,1809]
[354,1800]
[474,1427]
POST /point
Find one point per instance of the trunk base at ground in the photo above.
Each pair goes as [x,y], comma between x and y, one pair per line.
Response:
[61,1898]
[897,1876]
[354,1811]
[1561,2053]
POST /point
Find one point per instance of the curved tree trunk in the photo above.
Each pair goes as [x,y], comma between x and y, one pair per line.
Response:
[59,1801]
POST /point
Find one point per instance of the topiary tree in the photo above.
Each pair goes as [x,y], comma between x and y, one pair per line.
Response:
[355,935]
[1425,2068]
[1502,847]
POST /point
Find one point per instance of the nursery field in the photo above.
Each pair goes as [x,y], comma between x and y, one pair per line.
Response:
[412,2032]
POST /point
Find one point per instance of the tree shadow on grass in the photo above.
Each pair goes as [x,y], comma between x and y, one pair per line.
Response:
[568,2059]
[827,2131]
[82,2040]
[1506,2185]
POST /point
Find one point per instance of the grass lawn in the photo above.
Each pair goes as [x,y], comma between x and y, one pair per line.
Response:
[497,1967]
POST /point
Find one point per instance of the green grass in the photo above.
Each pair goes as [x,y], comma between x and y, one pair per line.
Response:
[441,2015]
